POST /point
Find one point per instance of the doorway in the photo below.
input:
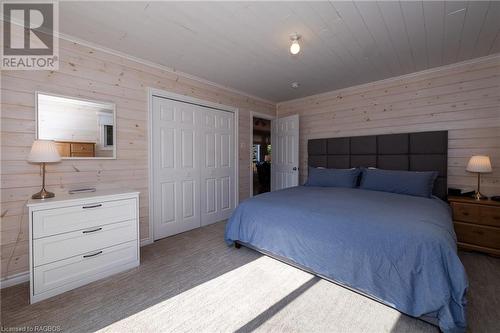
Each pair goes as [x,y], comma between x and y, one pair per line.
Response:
[261,151]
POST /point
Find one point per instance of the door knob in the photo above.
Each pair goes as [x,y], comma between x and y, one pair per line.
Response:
[294,168]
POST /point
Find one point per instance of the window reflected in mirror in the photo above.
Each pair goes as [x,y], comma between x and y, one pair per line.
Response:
[80,128]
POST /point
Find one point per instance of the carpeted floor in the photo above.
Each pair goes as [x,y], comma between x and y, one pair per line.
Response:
[193,282]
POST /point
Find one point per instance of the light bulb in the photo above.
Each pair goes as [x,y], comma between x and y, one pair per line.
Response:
[295,47]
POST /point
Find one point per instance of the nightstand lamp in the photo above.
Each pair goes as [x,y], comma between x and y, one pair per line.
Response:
[43,151]
[479,164]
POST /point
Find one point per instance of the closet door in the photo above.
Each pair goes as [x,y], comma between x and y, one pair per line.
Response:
[176,166]
[217,169]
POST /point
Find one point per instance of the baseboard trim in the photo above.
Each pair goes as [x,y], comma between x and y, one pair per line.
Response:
[12,280]
[146,241]
[22,277]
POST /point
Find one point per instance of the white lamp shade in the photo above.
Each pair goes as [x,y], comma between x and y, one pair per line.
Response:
[44,151]
[479,163]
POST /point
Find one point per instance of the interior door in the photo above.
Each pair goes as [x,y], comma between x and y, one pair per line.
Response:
[217,169]
[285,152]
[176,170]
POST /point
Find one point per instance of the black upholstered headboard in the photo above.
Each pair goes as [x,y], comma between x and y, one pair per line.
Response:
[423,151]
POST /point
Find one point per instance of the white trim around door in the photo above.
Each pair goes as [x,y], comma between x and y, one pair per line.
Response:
[263,116]
[152,92]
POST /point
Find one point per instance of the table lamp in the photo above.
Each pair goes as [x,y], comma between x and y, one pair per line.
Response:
[479,164]
[43,151]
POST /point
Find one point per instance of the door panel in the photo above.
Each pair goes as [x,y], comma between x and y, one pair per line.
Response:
[211,195]
[225,150]
[176,172]
[167,113]
[285,166]
[225,193]
[168,202]
[167,147]
[187,148]
[218,178]
[210,151]
[188,198]
[187,114]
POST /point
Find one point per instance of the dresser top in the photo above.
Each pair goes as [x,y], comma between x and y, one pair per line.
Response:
[65,197]
[467,200]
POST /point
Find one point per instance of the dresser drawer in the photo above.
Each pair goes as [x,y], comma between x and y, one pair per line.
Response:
[489,216]
[465,212]
[72,218]
[478,235]
[62,246]
[82,147]
[63,149]
[82,269]
[88,154]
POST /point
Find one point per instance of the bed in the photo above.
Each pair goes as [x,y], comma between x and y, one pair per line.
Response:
[397,249]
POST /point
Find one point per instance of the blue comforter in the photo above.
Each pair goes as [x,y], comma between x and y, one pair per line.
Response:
[396,248]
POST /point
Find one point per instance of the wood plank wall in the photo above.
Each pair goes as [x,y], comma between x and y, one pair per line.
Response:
[463,99]
[90,73]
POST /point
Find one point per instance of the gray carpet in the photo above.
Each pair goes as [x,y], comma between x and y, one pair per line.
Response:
[193,282]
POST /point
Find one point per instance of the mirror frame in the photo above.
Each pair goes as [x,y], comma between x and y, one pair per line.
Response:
[111,104]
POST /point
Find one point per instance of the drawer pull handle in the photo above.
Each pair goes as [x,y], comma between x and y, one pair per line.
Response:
[465,213]
[93,230]
[93,206]
[92,255]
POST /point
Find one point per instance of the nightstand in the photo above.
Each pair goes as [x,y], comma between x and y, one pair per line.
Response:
[477,224]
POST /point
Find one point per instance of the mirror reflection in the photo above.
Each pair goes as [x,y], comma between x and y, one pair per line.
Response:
[80,128]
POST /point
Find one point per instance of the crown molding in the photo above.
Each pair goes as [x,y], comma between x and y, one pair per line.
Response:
[495,56]
[229,89]
[142,61]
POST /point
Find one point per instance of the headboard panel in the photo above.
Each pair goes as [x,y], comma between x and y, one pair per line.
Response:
[422,151]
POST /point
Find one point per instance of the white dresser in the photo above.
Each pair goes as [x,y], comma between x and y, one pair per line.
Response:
[75,239]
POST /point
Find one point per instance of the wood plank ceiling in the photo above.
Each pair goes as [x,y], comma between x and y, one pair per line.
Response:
[244,45]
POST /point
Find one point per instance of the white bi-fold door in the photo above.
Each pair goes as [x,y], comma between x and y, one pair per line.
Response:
[285,141]
[193,166]
[217,166]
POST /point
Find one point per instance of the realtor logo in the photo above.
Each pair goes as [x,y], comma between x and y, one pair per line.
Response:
[29,37]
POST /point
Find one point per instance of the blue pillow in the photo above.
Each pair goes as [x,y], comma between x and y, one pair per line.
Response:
[332,177]
[416,183]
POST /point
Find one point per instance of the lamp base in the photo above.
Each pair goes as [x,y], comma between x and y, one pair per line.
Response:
[479,196]
[43,194]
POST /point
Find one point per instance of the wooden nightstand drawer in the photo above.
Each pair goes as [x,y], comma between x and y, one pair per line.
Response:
[477,224]
[489,216]
[484,236]
[465,212]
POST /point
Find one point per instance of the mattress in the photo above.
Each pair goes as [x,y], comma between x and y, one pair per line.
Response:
[398,249]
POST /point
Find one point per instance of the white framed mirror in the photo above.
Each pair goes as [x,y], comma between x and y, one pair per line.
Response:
[81,128]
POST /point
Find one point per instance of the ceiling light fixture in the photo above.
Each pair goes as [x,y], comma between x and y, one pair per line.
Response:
[295,85]
[295,47]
